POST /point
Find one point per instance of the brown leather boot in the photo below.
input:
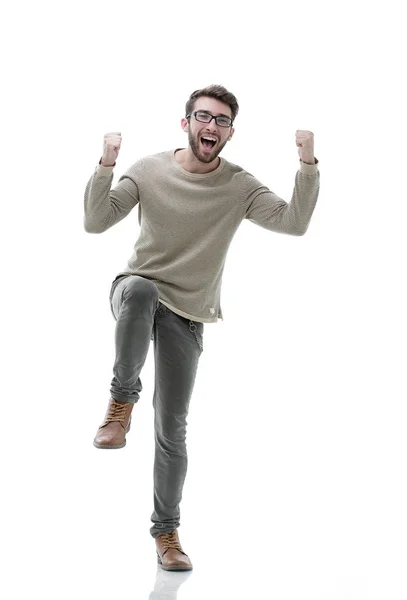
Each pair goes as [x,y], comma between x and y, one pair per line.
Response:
[112,432]
[170,555]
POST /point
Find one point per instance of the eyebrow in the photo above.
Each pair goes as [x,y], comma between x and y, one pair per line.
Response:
[209,113]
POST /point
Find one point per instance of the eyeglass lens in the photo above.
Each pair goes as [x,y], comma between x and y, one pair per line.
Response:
[206,117]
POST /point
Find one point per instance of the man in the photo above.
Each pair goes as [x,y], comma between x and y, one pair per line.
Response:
[191,202]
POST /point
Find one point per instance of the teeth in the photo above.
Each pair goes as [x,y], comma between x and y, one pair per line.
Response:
[209,138]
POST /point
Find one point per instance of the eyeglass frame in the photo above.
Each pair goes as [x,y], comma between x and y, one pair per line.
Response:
[212,117]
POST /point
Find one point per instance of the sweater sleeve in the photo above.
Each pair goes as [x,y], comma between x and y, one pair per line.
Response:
[104,207]
[266,209]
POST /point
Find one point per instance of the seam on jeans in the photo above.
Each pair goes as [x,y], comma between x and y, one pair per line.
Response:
[112,291]
[114,286]
[199,341]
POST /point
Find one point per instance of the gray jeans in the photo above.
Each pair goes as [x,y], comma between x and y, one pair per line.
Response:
[178,344]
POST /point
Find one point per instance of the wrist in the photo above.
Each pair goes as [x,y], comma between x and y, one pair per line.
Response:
[103,165]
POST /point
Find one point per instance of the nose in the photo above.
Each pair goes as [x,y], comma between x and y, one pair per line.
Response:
[212,126]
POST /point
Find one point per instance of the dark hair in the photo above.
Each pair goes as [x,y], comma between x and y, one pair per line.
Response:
[214,91]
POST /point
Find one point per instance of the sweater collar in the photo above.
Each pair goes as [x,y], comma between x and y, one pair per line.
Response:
[196,175]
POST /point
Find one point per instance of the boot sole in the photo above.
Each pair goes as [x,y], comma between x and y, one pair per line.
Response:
[174,568]
[115,447]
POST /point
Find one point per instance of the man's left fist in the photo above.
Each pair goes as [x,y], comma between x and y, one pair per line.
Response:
[305,143]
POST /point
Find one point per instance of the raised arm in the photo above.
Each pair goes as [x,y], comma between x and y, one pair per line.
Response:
[104,207]
[266,209]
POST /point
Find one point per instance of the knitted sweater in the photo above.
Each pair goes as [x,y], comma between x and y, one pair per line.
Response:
[188,220]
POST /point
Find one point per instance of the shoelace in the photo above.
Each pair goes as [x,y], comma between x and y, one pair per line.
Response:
[117,412]
[169,541]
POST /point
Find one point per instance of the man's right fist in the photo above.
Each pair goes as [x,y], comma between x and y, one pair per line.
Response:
[111,148]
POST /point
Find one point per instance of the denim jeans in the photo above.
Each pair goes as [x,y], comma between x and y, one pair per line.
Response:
[178,344]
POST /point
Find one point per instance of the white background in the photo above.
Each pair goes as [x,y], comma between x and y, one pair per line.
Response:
[296,483]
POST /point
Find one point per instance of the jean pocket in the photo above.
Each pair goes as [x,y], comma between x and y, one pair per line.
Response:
[114,284]
[162,310]
[112,289]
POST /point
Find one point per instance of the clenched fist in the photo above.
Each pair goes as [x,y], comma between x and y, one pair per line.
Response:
[111,147]
[305,141]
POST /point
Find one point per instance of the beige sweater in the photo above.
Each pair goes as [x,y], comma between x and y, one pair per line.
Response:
[188,220]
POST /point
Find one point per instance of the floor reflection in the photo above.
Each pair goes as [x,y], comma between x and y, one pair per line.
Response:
[167,584]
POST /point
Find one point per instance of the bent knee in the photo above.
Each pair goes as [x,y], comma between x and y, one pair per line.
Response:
[138,288]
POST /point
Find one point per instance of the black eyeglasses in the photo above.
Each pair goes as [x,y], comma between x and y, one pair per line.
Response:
[206,117]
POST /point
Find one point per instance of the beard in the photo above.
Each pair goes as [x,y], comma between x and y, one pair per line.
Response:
[197,150]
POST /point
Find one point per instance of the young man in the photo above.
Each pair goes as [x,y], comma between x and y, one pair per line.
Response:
[191,202]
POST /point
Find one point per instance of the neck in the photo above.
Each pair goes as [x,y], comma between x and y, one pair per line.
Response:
[188,161]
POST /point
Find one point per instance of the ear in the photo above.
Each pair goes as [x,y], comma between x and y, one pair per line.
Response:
[232,131]
[184,125]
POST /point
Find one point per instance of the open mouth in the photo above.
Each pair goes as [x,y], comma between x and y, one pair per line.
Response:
[207,143]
